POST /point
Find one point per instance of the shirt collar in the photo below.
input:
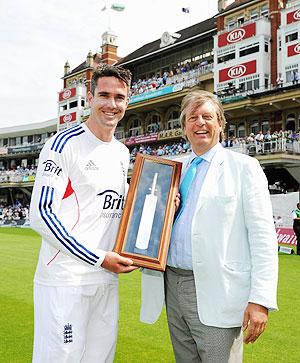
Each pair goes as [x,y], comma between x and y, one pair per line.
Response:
[208,156]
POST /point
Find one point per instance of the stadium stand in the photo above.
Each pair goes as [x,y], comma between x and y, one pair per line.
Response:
[257,82]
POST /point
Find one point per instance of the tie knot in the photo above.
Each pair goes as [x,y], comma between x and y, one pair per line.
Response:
[196,160]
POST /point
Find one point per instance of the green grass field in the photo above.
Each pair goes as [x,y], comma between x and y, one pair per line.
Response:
[137,342]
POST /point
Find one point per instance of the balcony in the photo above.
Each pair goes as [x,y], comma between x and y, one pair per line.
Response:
[292,4]
[18,177]
[232,94]
[25,148]
[259,20]
[282,145]
[141,91]
[194,74]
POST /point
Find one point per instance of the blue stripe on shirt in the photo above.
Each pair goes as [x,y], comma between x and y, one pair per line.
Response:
[58,139]
[69,137]
[60,232]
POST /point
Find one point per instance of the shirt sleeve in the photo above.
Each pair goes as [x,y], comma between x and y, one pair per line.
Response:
[49,188]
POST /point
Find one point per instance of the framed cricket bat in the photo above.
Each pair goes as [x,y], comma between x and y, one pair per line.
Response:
[146,224]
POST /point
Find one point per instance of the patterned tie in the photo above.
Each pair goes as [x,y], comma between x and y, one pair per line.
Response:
[186,183]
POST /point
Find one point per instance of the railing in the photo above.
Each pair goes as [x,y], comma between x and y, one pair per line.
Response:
[23,148]
[173,84]
[231,94]
[292,4]
[267,147]
[16,178]
[14,223]
[236,25]
[255,148]
[281,145]
[192,74]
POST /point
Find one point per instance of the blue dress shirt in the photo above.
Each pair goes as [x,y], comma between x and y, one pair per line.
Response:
[180,251]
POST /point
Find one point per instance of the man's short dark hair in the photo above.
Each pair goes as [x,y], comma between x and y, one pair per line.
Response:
[106,70]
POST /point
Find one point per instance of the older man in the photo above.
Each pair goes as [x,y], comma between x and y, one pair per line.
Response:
[221,276]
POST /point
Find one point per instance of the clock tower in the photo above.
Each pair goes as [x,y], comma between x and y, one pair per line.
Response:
[109,47]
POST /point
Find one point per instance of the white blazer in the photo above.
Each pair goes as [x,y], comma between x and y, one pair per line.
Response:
[234,245]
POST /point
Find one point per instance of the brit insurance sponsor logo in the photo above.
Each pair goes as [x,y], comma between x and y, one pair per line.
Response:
[51,168]
[236,35]
[112,203]
[296,15]
[237,71]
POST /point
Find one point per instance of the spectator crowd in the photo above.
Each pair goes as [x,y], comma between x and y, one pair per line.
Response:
[263,141]
[16,214]
[17,174]
[173,149]
[167,78]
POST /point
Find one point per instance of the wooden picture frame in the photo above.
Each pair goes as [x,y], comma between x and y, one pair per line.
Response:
[146,224]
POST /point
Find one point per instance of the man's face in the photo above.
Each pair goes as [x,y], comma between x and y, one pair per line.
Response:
[202,127]
[109,102]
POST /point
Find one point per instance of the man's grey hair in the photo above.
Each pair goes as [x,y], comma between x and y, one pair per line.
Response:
[197,98]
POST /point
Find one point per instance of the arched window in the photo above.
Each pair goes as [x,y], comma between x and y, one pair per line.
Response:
[290,122]
[153,122]
[265,126]
[119,133]
[241,130]
[231,130]
[134,126]
[254,127]
[173,119]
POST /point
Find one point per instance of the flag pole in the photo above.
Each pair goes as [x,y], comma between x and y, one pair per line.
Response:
[106,9]
[109,8]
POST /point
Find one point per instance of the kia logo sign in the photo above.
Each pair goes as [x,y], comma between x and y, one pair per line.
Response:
[67,118]
[297,15]
[237,71]
[236,35]
[66,94]
[297,48]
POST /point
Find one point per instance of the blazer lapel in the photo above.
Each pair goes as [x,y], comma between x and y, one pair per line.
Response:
[212,178]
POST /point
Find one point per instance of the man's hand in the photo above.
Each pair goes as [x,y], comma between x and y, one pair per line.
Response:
[177,201]
[255,321]
[116,263]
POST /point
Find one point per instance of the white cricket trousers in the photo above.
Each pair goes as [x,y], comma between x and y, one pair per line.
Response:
[75,324]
